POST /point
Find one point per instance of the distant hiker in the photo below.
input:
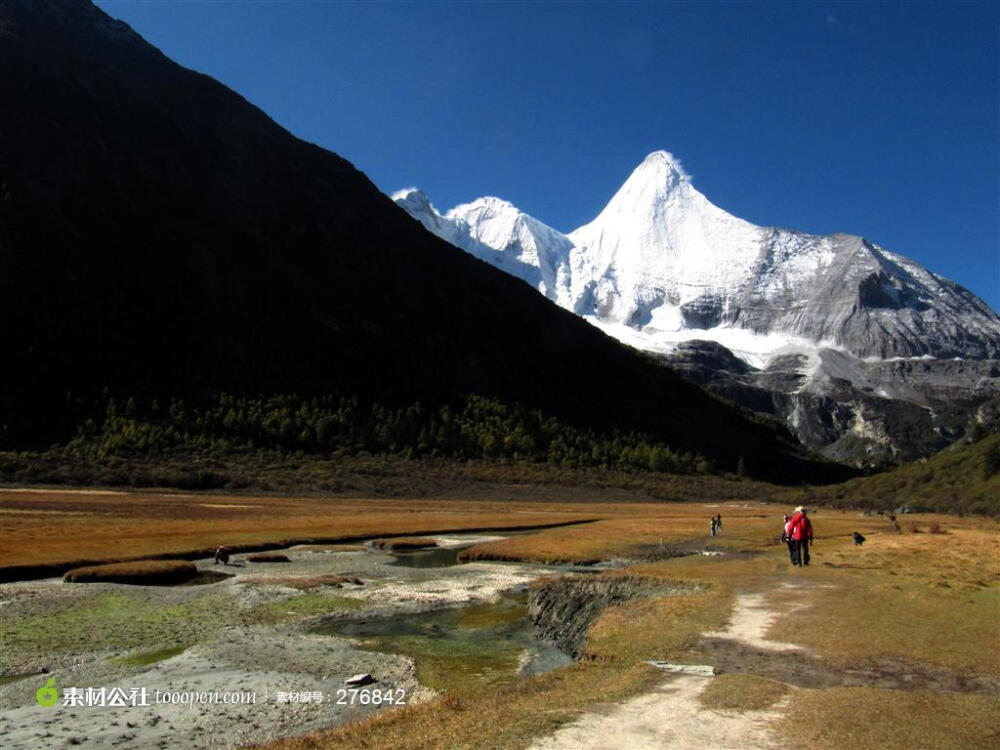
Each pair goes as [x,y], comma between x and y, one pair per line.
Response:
[892,520]
[786,537]
[718,522]
[222,554]
[802,532]
[712,526]
[858,539]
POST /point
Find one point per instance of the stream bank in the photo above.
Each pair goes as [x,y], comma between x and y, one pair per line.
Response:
[563,609]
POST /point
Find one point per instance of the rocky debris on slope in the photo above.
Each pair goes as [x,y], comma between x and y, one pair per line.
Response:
[860,411]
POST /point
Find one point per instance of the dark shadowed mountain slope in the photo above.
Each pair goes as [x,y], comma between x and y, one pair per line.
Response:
[160,235]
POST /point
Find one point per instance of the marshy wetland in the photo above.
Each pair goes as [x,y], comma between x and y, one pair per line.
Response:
[420,623]
[506,638]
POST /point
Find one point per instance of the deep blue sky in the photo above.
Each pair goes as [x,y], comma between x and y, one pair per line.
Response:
[880,119]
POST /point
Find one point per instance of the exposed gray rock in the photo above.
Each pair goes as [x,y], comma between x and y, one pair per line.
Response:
[862,412]
[360,680]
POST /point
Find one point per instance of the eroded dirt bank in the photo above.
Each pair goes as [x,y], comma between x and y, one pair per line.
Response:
[562,610]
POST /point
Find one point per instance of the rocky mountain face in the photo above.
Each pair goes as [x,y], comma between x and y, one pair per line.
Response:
[161,237]
[842,337]
[864,412]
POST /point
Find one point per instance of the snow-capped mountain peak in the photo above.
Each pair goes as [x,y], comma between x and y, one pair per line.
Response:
[487,203]
[412,197]
[416,203]
[659,245]
[662,264]
[496,231]
[839,336]
[662,169]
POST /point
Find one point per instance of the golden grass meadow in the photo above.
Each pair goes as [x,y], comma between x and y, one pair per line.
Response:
[924,600]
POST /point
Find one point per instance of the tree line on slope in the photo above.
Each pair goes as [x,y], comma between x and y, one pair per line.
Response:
[472,428]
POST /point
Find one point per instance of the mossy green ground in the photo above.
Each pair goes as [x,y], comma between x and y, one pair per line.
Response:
[122,621]
[303,605]
[146,658]
[115,619]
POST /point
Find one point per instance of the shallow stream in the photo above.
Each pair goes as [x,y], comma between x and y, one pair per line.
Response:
[459,648]
[413,620]
[435,557]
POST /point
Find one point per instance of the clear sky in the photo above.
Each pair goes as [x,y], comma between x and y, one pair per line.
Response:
[879,119]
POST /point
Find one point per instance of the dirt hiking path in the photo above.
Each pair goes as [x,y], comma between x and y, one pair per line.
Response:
[671,717]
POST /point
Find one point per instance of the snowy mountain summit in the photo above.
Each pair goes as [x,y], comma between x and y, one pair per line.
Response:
[661,265]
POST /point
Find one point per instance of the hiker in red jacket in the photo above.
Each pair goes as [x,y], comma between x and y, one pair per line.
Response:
[802,534]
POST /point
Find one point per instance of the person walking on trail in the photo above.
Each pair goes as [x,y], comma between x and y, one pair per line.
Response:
[802,534]
[786,537]
[718,522]
[712,526]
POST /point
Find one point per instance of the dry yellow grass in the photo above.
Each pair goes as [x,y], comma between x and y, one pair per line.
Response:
[508,717]
[929,600]
[840,718]
[268,557]
[63,527]
[145,572]
[659,628]
[851,606]
[742,692]
[647,529]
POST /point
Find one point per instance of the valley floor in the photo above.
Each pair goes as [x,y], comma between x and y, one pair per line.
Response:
[893,644]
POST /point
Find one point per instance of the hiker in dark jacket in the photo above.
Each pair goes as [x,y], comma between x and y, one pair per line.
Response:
[858,539]
[786,537]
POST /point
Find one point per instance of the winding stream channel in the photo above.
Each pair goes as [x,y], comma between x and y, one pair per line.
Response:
[262,650]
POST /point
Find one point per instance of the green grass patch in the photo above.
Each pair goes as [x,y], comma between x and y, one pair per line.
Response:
[458,650]
[657,628]
[489,615]
[456,667]
[117,621]
[304,605]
